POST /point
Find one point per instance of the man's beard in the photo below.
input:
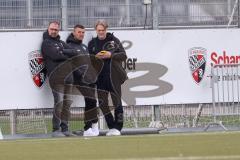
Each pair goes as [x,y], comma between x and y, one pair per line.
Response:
[54,35]
[102,37]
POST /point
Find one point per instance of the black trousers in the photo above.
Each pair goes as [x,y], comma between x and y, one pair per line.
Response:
[61,92]
[62,103]
[104,88]
[90,112]
[61,109]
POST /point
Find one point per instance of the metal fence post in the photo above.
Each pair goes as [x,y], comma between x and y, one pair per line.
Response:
[213,94]
[155,14]
[238,14]
[29,13]
[127,3]
[134,116]
[13,122]
[64,15]
[229,7]
[156,112]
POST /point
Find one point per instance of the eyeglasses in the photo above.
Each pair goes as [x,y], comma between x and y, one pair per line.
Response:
[53,29]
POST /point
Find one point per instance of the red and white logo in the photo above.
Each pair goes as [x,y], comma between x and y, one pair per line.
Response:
[197,62]
[37,68]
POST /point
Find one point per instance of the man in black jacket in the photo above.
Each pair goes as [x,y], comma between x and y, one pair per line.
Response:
[107,47]
[56,54]
[74,40]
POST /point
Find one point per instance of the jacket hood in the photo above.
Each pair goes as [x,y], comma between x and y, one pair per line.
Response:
[71,39]
[109,36]
[46,36]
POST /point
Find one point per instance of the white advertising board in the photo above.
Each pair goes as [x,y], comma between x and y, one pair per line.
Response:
[161,67]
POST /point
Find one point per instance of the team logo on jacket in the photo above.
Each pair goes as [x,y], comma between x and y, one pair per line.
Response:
[197,61]
[110,46]
[37,68]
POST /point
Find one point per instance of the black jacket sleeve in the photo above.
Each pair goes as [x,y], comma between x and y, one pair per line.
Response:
[90,47]
[52,52]
[119,54]
[68,50]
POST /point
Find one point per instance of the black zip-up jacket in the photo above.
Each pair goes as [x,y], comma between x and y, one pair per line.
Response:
[83,63]
[55,52]
[77,44]
[113,66]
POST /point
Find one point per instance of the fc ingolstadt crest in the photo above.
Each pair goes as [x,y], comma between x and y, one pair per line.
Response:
[197,62]
[37,68]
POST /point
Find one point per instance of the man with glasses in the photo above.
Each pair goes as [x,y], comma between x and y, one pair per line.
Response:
[56,55]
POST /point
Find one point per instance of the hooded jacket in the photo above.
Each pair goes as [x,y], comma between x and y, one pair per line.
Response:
[83,63]
[77,44]
[112,67]
[55,52]
[52,52]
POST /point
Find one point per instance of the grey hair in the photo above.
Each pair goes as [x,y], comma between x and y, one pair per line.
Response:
[101,22]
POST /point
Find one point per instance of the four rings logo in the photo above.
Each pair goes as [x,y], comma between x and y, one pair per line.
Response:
[37,68]
[197,61]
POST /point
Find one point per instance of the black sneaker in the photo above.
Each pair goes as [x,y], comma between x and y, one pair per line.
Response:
[78,133]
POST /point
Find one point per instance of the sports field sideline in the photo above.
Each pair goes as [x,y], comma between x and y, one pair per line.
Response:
[193,146]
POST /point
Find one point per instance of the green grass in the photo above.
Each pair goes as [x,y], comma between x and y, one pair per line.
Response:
[74,125]
[5,126]
[31,126]
[223,145]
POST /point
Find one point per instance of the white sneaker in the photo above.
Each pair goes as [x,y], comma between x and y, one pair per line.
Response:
[88,133]
[113,132]
[95,129]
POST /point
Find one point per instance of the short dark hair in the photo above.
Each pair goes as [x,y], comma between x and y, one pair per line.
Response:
[79,26]
[54,22]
